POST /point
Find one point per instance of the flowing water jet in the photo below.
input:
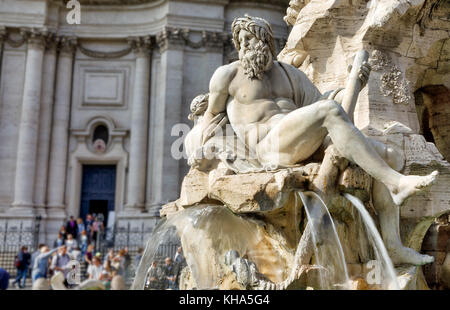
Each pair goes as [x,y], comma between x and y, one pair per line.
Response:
[376,242]
[327,246]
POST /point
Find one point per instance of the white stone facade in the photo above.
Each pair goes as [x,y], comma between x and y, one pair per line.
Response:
[131,66]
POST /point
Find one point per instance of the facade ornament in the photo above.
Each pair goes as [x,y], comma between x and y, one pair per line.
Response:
[104,55]
[210,40]
[170,37]
[67,45]
[36,38]
[15,43]
[140,45]
[393,81]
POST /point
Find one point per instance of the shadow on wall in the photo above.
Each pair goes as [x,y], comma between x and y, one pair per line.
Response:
[433,111]
[437,243]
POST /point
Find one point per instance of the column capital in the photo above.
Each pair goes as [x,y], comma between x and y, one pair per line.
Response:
[141,46]
[51,42]
[170,37]
[36,38]
[67,45]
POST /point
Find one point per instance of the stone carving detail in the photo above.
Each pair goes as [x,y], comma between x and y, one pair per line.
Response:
[104,55]
[209,39]
[67,45]
[393,82]
[181,37]
[170,36]
[140,45]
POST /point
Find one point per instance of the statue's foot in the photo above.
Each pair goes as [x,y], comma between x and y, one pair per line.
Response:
[403,255]
[412,184]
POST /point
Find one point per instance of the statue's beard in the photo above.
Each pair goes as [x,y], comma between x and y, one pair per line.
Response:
[256,60]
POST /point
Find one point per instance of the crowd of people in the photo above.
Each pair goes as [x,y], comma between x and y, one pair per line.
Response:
[166,276]
[75,243]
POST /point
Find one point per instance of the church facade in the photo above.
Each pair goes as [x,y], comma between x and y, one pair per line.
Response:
[89,111]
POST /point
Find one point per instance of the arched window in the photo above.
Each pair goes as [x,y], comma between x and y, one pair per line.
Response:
[101,132]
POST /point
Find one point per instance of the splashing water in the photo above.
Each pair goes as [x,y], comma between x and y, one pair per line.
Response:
[377,243]
[327,246]
[206,233]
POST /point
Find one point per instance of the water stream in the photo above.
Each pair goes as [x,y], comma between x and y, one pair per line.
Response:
[387,271]
[327,246]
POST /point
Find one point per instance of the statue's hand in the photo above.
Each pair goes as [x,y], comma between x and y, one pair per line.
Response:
[364,73]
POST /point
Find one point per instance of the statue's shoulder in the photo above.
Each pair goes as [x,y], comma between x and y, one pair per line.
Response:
[224,75]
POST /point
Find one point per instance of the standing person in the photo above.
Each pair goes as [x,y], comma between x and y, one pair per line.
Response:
[153,276]
[81,227]
[63,232]
[170,273]
[4,279]
[35,254]
[89,222]
[126,263]
[60,263]
[84,241]
[59,240]
[23,260]
[119,263]
[97,228]
[40,266]
[95,270]
[72,227]
[89,255]
[179,257]
[137,258]
[110,256]
[71,243]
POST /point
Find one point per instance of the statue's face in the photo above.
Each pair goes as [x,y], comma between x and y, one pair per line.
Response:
[247,41]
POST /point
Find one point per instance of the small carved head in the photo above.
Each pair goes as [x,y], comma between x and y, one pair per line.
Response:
[198,106]
[99,146]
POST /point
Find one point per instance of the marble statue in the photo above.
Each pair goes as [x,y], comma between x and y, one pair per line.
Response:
[279,119]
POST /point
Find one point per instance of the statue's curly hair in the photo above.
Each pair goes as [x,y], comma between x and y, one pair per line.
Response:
[257,26]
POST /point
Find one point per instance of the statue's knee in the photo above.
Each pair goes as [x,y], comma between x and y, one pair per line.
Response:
[394,159]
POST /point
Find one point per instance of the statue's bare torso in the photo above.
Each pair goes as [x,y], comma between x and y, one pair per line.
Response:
[258,104]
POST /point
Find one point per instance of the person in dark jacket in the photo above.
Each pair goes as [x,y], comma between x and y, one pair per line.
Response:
[170,271]
[72,227]
[23,261]
[4,279]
